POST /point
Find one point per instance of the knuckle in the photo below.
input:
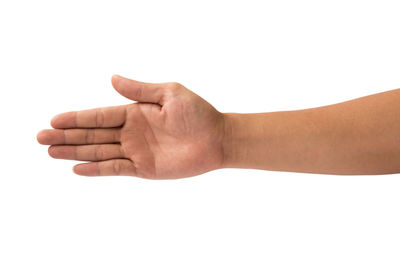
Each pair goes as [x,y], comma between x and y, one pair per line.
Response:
[139,92]
[90,136]
[122,151]
[99,153]
[116,166]
[117,136]
[174,86]
[99,118]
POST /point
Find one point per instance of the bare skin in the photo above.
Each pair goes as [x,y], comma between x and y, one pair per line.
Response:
[170,132]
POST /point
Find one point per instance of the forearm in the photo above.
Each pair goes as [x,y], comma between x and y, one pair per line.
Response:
[361,136]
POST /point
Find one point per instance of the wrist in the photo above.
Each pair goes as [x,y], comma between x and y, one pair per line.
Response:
[233,142]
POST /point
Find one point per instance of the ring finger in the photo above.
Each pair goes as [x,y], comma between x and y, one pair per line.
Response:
[87,152]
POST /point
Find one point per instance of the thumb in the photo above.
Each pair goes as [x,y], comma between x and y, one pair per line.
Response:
[138,91]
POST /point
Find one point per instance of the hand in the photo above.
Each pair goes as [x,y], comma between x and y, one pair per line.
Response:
[169,133]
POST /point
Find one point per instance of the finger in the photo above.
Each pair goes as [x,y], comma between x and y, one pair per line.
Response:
[94,118]
[106,168]
[78,136]
[139,91]
[87,152]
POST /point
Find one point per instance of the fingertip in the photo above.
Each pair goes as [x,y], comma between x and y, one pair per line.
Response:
[75,169]
[52,152]
[120,85]
[54,122]
[115,79]
[64,120]
[41,137]
[85,169]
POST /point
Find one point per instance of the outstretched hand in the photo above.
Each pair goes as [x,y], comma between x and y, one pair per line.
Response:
[170,132]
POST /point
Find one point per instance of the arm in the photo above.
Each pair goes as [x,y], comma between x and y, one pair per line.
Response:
[170,132]
[361,136]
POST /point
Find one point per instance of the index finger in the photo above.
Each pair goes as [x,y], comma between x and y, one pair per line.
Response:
[107,117]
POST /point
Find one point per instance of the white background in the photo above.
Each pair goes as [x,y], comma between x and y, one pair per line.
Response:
[241,56]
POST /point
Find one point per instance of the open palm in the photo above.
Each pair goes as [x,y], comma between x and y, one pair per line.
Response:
[169,133]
